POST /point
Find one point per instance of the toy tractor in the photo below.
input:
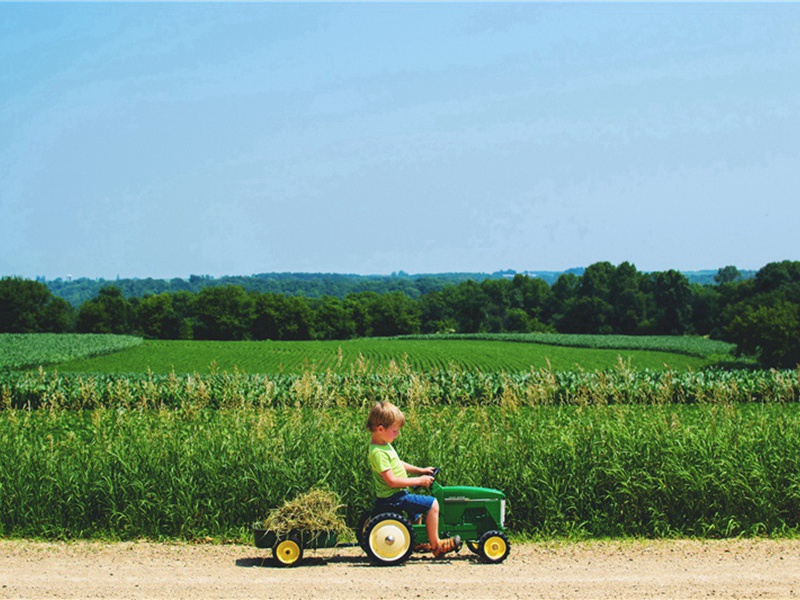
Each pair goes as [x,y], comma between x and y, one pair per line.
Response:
[476,514]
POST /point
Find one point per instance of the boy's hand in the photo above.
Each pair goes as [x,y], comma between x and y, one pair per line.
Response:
[427,470]
[425,481]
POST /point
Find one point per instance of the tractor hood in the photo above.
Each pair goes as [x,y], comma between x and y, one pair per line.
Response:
[464,492]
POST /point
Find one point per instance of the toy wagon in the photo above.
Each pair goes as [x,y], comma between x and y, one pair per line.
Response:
[287,549]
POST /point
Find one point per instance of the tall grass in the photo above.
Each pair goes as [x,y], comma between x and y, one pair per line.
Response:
[580,471]
[397,383]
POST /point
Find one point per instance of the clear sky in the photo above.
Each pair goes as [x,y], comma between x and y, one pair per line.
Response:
[163,140]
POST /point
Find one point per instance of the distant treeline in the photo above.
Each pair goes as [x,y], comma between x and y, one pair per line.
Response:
[760,314]
[310,285]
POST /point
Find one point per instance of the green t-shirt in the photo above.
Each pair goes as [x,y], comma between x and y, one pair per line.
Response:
[382,458]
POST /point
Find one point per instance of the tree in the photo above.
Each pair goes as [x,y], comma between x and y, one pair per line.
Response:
[532,295]
[770,332]
[564,290]
[672,303]
[763,316]
[468,303]
[331,320]
[278,317]
[157,317]
[776,276]
[108,312]
[627,300]
[28,306]
[223,313]
[727,274]
[394,314]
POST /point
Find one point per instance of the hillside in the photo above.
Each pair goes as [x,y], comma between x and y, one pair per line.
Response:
[311,285]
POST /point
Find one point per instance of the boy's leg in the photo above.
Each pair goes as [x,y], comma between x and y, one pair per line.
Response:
[432,525]
[437,546]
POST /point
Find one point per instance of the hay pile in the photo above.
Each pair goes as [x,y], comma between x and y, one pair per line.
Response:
[315,511]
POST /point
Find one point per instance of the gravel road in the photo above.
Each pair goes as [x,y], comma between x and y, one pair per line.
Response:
[621,570]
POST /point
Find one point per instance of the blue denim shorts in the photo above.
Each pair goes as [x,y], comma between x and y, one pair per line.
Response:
[412,504]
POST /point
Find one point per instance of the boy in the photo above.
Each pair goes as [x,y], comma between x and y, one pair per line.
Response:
[390,478]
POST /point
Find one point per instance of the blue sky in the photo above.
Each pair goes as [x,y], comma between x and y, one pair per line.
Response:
[162,140]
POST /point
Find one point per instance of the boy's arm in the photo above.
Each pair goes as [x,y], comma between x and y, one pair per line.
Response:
[393,481]
[418,470]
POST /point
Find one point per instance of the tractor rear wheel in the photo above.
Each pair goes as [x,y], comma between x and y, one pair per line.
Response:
[493,547]
[361,529]
[389,539]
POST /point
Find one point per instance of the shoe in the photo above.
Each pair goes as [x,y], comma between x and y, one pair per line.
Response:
[423,548]
[452,544]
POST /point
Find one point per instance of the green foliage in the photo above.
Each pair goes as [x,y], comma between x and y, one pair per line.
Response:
[766,322]
[770,332]
[224,313]
[109,312]
[706,470]
[403,386]
[29,307]
[21,351]
[690,345]
[602,300]
[368,354]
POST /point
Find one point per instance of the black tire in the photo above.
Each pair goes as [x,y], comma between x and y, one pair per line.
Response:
[493,547]
[473,546]
[388,539]
[361,528]
[288,551]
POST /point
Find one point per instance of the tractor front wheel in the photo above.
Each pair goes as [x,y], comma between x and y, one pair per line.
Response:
[493,547]
[388,539]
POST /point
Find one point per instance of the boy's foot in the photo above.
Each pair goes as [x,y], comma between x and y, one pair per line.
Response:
[423,548]
[452,544]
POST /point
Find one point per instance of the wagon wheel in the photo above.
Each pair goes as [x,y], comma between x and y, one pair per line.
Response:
[288,552]
[493,547]
[389,539]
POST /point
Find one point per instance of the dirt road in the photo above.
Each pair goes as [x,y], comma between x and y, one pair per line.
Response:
[663,569]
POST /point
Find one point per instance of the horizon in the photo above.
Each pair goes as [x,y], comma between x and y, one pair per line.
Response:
[147,139]
[528,272]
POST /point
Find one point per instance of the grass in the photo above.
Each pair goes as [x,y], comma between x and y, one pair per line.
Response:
[21,350]
[370,354]
[691,345]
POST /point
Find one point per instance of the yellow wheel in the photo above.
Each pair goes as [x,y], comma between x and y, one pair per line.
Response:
[493,547]
[288,552]
[389,539]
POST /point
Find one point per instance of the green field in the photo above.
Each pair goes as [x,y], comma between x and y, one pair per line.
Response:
[369,355]
[22,350]
[705,470]
[184,440]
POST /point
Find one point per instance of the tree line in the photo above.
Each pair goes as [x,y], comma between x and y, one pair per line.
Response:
[761,314]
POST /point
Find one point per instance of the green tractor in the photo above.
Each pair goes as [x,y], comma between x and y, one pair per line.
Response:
[475,514]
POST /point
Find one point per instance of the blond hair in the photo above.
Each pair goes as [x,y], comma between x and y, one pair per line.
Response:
[384,414]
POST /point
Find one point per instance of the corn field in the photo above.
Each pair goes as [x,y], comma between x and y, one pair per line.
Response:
[706,470]
[619,451]
[399,384]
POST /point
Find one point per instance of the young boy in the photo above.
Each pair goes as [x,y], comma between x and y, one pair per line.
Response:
[390,476]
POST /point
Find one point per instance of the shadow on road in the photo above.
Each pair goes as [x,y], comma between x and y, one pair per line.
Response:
[359,561]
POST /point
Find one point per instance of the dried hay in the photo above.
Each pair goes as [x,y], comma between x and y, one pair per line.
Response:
[315,511]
